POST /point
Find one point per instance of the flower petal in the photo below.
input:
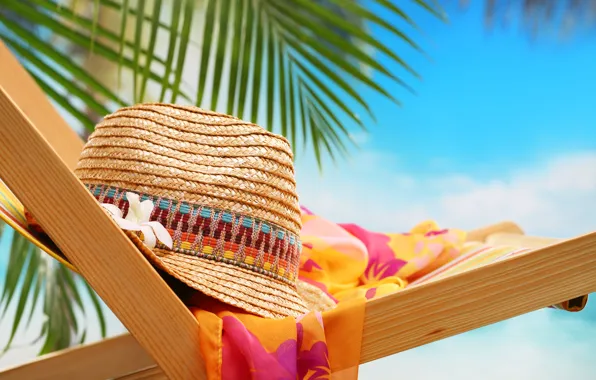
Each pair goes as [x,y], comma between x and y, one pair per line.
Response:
[146,209]
[134,204]
[127,224]
[133,198]
[149,236]
[113,209]
[162,234]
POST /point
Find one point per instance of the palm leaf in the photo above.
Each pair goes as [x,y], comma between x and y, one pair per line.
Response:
[31,273]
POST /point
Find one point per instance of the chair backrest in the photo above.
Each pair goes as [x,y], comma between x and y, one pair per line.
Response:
[38,151]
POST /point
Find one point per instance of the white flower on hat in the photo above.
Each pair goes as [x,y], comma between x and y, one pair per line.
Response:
[137,219]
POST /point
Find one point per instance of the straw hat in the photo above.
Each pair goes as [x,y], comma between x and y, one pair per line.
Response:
[224,191]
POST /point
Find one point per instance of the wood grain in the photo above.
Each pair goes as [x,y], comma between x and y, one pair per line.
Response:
[153,373]
[34,103]
[96,246]
[106,359]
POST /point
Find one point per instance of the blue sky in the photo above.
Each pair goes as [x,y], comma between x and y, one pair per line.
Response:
[502,127]
[529,99]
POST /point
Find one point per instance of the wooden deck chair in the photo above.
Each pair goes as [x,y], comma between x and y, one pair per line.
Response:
[38,151]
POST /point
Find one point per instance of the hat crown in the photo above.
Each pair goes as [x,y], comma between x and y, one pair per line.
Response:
[188,154]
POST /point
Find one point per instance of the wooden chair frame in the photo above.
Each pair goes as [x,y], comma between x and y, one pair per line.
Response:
[38,151]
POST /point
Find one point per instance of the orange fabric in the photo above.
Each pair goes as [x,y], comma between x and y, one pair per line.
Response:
[239,345]
[352,265]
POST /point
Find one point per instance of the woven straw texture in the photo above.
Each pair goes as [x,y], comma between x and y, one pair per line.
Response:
[225,191]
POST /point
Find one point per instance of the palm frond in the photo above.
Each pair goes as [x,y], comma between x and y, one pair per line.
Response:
[275,41]
[297,67]
[31,274]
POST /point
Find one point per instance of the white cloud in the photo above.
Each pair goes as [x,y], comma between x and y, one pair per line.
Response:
[541,345]
[555,199]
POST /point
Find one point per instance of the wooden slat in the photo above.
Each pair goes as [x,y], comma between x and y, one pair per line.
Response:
[25,92]
[106,359]
[96,246]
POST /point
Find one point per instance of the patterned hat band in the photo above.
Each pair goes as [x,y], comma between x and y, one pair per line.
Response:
[218,235]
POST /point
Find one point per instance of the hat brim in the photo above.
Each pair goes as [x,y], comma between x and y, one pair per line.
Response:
[254,292]
[251,291]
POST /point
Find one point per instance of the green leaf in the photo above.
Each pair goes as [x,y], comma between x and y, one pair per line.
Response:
[323,110]
[37,290]
[271,101]
[84,23]
[220,53]
[328,131]
[67,83]
[83,337]
[364,13]
[282,85]
[184,38]
[70,285]
[208,33]
[292,115]
[319,11]
[137,50]
[315,136]
[72,35]
[96,6]
[305,120]
[240,9]
[16,263]
[98,309]
[245,63]
[313,41]
[64,103]
[133,12]
[433,9]
[123,22]
[64,61]
[30,274]
[327,91]
[151,49]
[176,11]
[397,11]
[257,69]
[335,77]
[66,291]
